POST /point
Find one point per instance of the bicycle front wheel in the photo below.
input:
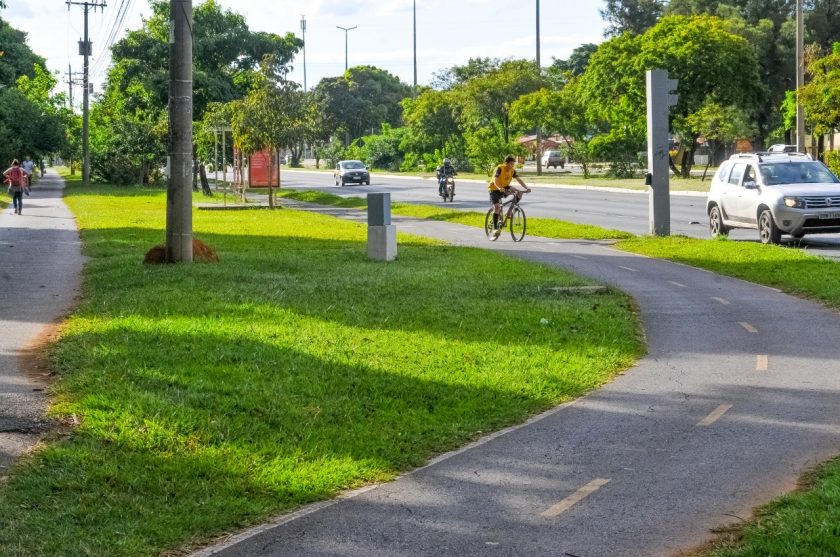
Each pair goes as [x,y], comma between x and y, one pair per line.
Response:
[488,226]
[517,224]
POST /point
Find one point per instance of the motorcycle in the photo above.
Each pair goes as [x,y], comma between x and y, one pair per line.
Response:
[448,190]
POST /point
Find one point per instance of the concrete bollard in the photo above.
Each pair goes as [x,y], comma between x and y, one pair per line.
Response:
[382,235]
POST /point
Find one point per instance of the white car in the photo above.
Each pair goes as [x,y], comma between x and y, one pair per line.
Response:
[553,158]
[775,193]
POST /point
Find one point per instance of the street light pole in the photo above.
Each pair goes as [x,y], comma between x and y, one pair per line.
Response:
[346,30]
[539,72]
[800,78]
[414,90]
[303,33]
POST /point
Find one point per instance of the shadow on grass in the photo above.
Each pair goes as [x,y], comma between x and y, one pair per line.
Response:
[448,293]
[207,432]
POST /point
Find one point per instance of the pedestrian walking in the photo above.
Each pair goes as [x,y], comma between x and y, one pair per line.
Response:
[15,176]
[28,167]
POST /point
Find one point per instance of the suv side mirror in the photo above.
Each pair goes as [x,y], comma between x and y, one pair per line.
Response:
[750,185]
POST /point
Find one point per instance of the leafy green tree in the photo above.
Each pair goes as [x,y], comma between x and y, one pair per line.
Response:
[16,58]
[361,100]
[710,62]
[272,116]
[720,126]
[458,75]
[821,96]
[574,66]
[227,59]
[633,16]
[487,148]
[560,112]
[432,122]
[486,99]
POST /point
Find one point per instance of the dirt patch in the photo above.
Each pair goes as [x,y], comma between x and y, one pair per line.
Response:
[201,252]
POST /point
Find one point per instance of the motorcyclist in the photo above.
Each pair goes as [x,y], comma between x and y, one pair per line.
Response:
[444,171]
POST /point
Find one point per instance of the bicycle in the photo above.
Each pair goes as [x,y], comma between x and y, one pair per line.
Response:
[513,213]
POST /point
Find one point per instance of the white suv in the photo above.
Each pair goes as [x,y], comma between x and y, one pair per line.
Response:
[777,193]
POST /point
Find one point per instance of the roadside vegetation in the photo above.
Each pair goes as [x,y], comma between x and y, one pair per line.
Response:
[196,400]
[548,228]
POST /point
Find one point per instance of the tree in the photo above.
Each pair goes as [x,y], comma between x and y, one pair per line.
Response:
[432,122]
[821,96]
[227,59]
[485,100]
[720,125]
[710,62]
[560,112]
[361,100]
[633,16]
[272,116]
[574,65]
[458,75]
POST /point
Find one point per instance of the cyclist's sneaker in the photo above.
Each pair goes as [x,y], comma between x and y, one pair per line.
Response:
[497,232]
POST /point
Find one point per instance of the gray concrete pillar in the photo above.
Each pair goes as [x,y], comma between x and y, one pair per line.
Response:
[382,235]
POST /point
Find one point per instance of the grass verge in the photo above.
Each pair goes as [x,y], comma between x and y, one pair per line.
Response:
[790,270]
[211,396]
[547,228]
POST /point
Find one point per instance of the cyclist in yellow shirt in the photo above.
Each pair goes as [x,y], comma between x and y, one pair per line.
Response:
[500,186]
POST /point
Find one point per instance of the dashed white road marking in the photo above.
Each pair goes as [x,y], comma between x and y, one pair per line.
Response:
[761,362]
[721,301]
[578,256]
[575,498]
[714,416]
[749,328]
[631,269]
[677,284]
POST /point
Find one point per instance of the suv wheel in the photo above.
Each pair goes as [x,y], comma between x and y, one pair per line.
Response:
[716,226]
[768,232]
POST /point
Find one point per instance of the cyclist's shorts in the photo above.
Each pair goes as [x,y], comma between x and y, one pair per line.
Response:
[497,196]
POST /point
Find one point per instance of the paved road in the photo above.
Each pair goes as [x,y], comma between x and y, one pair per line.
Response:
[739,394]
[40,262]
[623,210]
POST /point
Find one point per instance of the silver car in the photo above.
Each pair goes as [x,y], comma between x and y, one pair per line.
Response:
[351,171]
[776,193]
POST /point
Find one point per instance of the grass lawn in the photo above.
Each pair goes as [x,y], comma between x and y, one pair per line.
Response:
[547,228]
[208,397]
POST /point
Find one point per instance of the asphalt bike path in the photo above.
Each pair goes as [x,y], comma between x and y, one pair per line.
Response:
[40,266]
[739,394]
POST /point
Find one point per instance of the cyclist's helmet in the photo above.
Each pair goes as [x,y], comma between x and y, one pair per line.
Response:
[446,162]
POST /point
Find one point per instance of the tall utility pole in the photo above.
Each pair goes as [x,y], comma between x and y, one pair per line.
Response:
[346,30]
[800,77]
[539,71]
[179,196]
[303,33]
[414,90]
[85,49]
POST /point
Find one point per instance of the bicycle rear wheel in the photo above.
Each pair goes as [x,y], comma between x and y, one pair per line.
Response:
[517,224]
[488,227]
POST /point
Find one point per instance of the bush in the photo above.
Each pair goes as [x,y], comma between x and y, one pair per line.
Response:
[832,161]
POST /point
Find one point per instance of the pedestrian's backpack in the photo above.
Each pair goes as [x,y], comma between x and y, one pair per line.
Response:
[16,176]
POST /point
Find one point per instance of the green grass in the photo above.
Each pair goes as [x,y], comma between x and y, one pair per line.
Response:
[547,228]
[805,523]
[791,270]
[209,397]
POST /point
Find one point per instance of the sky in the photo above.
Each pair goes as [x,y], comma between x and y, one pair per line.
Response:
[449,32]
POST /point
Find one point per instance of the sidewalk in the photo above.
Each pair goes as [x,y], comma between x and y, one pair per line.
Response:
[725,412]
[40,264]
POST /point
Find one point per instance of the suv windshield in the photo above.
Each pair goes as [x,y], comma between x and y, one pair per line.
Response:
[804,172]
[353,165]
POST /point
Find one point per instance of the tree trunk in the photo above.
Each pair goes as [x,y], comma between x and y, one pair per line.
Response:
[821,148]
[205,185]
[688,159]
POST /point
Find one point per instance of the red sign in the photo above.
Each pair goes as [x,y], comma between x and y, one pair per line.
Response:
[262,167]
